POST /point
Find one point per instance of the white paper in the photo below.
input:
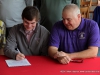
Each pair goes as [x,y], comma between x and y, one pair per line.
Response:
[15,63]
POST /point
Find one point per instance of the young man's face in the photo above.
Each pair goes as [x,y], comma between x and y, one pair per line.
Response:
[29,25]
[71,20]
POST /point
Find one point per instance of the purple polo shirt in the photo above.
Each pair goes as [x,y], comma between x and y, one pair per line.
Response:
[87,34]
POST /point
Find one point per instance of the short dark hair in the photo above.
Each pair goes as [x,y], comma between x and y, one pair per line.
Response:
[30,13]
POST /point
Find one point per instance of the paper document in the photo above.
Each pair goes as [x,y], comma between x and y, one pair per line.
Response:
[15,63]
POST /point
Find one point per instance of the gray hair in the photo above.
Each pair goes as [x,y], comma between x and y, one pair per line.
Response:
[72,7]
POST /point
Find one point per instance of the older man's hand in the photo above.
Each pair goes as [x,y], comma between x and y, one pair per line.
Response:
[62,57]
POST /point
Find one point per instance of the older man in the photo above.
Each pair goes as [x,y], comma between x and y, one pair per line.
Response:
[74,37]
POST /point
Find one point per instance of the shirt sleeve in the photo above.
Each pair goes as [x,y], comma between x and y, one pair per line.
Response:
[11,44]
[94,38]
[54,36]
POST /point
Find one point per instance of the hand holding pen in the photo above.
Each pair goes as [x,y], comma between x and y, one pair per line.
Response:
[20,56]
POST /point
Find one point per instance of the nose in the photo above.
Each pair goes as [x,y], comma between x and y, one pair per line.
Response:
[65,22]
[29,25]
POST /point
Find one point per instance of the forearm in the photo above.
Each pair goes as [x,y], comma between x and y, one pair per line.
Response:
[9,50]
[88,53]
[52,51]
[10,53]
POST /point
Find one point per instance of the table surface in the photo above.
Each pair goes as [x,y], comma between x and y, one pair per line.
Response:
[42,65]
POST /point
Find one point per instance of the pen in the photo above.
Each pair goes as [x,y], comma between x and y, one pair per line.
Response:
[18,50]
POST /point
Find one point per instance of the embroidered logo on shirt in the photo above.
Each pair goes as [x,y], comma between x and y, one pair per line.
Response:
[81,35]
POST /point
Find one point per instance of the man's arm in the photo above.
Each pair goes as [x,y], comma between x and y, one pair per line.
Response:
[93,43]
[11,44]
[65,58]
[88,53]
[45,38]
[52,51]
[62,57]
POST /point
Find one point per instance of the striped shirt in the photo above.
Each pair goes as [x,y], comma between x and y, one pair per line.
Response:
[29,34]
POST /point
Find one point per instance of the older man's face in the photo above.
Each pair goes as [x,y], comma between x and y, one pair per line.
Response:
[71,20]
[29,25]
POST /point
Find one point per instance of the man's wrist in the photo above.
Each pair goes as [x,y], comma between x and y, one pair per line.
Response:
[70,55]
[55,55]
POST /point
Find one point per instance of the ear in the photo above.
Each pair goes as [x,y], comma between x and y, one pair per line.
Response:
[79,16]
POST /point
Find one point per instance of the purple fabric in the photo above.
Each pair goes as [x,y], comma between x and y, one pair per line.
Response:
[87,34]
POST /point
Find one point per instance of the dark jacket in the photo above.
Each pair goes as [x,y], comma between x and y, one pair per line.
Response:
[38,44]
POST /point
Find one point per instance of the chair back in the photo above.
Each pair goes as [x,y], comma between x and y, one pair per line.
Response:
[86,3]
[85,8]
[84,12]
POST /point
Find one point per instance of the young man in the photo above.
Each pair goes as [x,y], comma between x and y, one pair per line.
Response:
[74,37]
[30,38]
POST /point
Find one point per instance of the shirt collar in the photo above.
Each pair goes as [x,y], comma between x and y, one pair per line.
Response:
[28,32]
[81,24]
[23,30]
